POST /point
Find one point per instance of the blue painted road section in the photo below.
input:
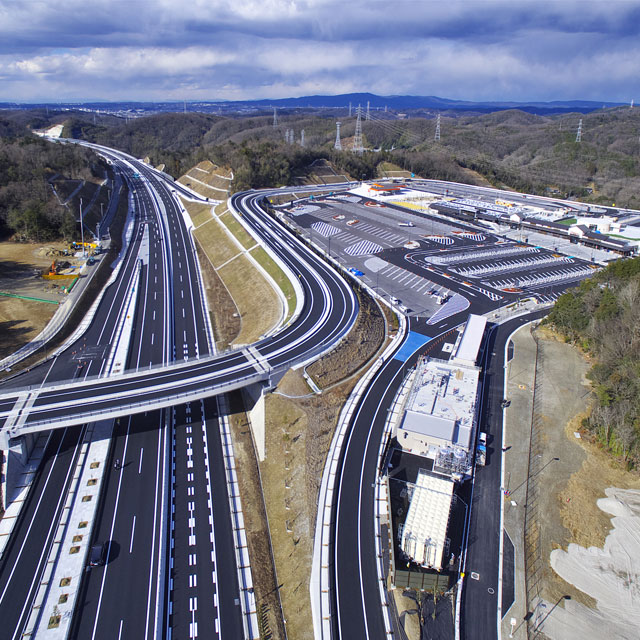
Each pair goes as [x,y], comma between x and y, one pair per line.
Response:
[414,341]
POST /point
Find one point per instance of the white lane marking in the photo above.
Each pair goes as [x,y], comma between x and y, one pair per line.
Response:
[154,314]
[152,337]
[140,463]
[120,631]
[113,524]
[62,495]
[133,531]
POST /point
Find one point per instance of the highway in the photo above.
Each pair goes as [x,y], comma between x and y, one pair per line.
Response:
[166,515]
[175,449]
[25,556]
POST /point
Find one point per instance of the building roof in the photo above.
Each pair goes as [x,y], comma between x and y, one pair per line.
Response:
[429,425]
[448,391]
[467,351]
[425,528]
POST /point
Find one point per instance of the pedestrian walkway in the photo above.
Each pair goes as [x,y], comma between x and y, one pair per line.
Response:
[414,341]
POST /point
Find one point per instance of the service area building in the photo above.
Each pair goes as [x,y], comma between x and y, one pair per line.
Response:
[440,423]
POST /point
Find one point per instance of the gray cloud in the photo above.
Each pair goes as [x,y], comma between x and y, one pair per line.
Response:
[229,49]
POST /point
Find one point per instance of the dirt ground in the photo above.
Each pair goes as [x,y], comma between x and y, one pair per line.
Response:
[569,504]
[567,474]
[20,266]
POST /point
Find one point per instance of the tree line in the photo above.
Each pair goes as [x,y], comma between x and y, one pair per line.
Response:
[29,209]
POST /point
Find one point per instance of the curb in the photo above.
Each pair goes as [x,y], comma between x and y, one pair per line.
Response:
[320,583]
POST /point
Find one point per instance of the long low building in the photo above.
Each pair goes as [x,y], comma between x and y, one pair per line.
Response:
[424,534]
[439,423]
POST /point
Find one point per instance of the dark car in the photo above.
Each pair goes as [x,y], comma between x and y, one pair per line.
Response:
[98,554]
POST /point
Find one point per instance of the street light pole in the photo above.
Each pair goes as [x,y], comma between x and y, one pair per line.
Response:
[510,493]
[81,228]
[536,627]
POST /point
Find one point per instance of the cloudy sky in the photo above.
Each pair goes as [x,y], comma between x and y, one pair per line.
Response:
[67,50]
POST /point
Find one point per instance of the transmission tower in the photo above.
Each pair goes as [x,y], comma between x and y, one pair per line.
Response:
[357,138]
[275,117]
[338,144]
[437,135]
[349,109]
[579,134]
[368,116]
[631,106]
[302,138]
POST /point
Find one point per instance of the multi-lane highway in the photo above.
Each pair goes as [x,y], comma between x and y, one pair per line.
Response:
[171,569]
[177,550]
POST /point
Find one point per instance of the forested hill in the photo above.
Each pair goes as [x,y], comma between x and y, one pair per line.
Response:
[602,315]
[29,209]
[512,149]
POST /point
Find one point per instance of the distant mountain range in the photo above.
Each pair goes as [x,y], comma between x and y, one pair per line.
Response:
[402,103]
[393,103]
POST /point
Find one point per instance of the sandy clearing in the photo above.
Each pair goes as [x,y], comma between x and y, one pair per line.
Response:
[610,575]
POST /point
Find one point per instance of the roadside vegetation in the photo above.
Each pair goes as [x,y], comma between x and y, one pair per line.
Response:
[602,316]
[31,170]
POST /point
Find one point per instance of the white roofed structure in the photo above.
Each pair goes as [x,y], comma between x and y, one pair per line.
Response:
[469,345]
[424,534]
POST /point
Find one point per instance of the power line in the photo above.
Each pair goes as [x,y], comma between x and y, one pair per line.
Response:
[357,138]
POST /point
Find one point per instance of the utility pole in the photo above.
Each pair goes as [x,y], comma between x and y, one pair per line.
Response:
[338,145]
[437,135]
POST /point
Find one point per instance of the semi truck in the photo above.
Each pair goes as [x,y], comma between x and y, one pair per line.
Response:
[481,450]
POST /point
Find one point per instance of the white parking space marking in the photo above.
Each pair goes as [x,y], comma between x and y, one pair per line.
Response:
[324,229]
[363,248]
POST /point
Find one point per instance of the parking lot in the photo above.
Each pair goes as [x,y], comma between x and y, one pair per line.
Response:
[430,265]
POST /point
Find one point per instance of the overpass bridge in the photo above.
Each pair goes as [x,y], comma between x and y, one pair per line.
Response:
[327,313]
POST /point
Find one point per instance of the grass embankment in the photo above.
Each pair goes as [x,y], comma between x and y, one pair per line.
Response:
[208,180]
[298,433]
[238,288]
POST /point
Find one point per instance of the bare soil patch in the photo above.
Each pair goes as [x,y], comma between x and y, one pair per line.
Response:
[224,316]
[570,487]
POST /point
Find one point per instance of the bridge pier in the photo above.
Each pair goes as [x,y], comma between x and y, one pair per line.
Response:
[253,398]
[16,452]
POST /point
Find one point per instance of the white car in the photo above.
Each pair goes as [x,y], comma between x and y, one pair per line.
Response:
[394,300]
